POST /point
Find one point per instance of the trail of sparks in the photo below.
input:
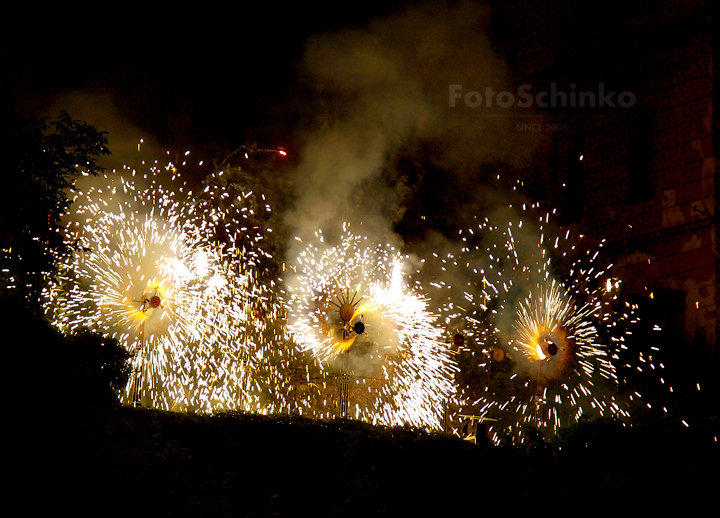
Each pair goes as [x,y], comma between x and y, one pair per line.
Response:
[543,322]
[349,305]
[149,271]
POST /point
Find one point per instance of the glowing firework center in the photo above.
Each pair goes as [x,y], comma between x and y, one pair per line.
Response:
[546,344]
[150,302]
[378,334]
[351,324]
[554,330]
[149,275]
[537,354]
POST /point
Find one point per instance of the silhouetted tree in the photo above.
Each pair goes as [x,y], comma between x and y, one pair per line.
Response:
[95,369]
[41,162]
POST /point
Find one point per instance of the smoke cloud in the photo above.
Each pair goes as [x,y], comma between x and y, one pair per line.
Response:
[383,90]
[387,85]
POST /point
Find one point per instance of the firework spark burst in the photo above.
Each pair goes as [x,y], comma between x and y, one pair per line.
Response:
[540,324]
[350,306]
[149,271]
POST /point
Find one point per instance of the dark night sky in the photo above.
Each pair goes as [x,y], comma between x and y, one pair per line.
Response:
[226,75]
[214,79]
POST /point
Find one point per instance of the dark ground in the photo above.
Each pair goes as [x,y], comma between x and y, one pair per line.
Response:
[77,451]
[156,463]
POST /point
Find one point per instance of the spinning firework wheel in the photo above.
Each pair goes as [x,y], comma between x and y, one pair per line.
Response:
[149,303]
[550,317]
[346,331]
[149,271]
[402,371]
[351,324]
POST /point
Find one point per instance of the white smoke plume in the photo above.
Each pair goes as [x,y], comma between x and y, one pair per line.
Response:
[388,86]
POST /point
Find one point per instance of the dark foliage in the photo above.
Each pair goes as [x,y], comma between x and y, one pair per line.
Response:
[41,161]
[169,464]
[96,368]
[82,451]
[650,466]
[249,465]
[58,387]
[82,371]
